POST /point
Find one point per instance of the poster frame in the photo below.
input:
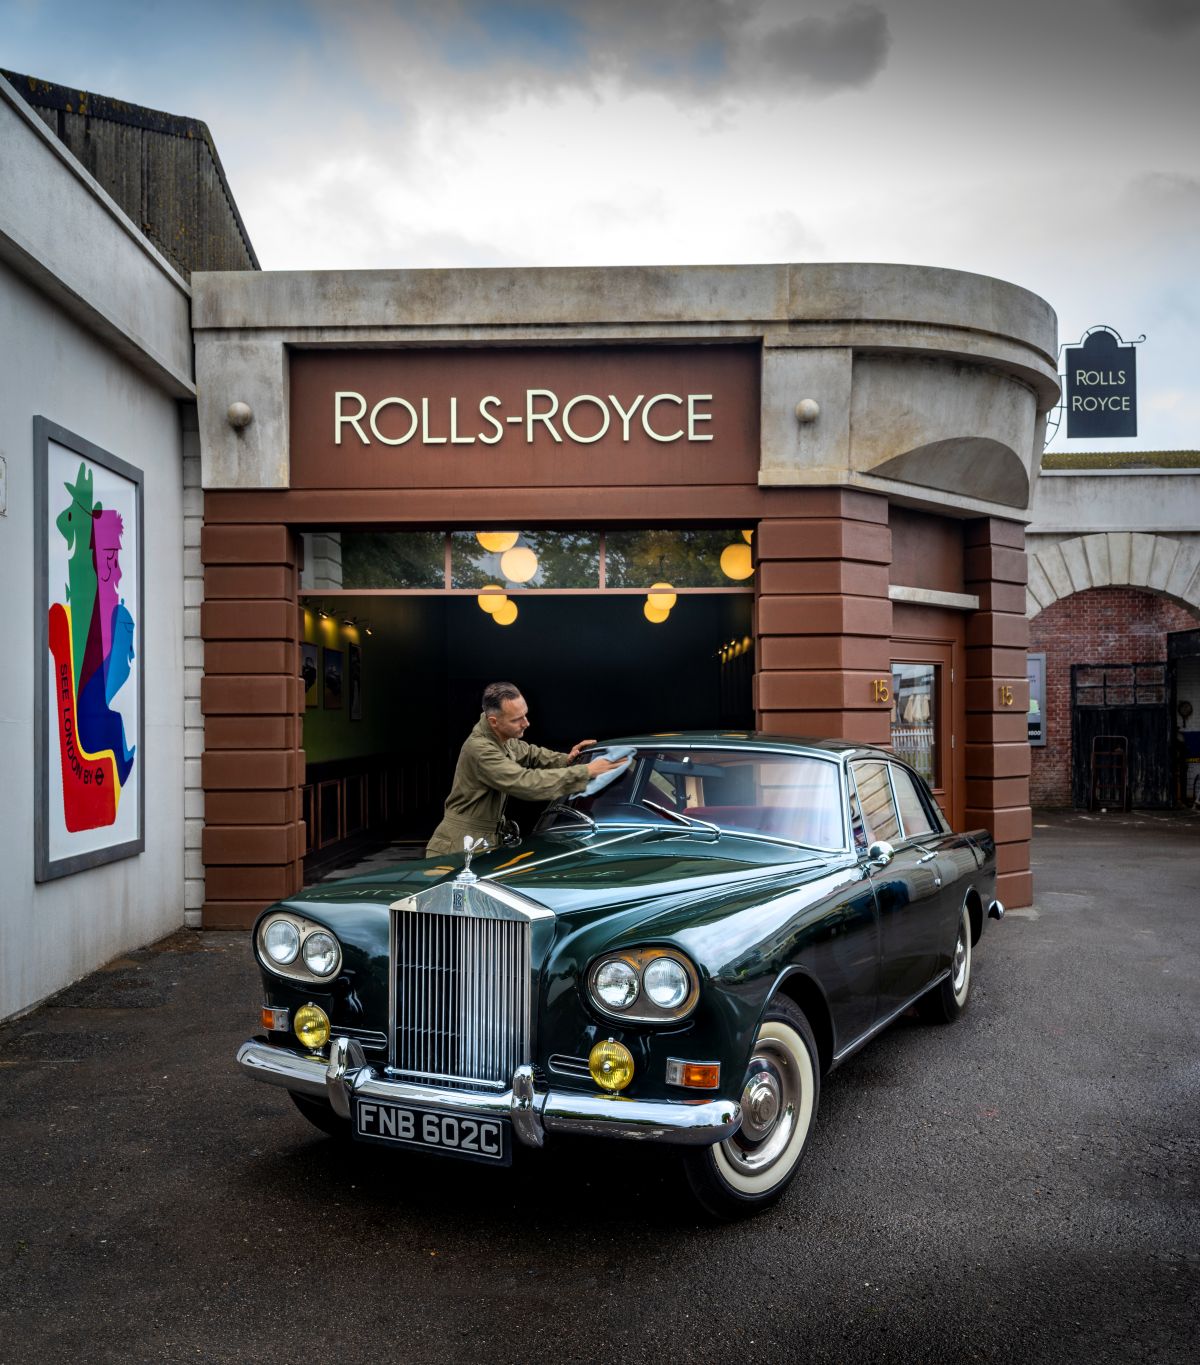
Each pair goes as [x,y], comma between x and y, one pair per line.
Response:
[46,759]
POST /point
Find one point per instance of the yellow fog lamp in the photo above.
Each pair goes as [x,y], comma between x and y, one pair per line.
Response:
[312,1027]
[611,1065]
[496,542]
[737,561]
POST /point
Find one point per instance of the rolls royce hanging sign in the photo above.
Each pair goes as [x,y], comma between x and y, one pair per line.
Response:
[1101,387]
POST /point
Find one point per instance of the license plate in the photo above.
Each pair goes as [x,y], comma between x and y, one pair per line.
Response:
[402,1125]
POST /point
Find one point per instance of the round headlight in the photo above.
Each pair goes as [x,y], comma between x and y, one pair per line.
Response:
[616,985]
[282,941]
[666,983]
[321,954]
[312,1026]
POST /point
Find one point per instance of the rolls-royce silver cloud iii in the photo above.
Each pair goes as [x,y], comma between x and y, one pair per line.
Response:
[679,957]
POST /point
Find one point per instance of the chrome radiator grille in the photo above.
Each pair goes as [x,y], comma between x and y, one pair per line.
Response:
[462,1006]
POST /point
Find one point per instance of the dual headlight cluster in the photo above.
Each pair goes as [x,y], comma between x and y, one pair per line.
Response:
[295,947]
[644,985]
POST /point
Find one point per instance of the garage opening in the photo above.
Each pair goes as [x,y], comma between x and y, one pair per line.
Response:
[607,633]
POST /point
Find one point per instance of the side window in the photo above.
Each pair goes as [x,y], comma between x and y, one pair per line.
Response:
[875,801]
[913,814]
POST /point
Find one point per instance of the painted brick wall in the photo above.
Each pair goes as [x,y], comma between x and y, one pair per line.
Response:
[1099,626]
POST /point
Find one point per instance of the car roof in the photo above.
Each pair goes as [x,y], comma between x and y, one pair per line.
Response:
[748,740]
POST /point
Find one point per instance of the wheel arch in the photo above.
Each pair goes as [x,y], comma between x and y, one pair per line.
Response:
[974,907]
[808,997]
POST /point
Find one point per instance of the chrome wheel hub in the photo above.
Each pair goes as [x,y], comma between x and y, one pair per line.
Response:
[771,1101]
[761,1102]
[960,962]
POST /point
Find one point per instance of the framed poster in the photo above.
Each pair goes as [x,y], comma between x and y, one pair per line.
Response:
[90,710]
[354,681]
[1035,671]
[310,673]
[333,679]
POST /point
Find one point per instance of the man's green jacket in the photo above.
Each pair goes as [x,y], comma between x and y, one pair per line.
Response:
[488,772]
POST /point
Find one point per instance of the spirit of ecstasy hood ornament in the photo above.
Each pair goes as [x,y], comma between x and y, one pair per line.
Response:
[470,848]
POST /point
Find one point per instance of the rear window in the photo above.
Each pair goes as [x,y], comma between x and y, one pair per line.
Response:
[875,802]
[913,814]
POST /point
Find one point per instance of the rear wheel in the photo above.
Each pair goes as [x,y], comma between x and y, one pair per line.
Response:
[949,998]
[750,1170]
[321,1115]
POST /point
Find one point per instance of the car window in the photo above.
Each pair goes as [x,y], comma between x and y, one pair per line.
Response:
[780,795]
[913,815]
[875,798]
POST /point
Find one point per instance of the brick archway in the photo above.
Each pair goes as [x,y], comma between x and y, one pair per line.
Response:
[1134,559]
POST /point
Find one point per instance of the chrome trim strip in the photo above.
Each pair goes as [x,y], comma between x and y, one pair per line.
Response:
[279,1066]
[697,1123]
[891,1018]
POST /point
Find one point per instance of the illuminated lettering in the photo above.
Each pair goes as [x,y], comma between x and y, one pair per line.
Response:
[604,413]
[393,402]
[339,417]
[649,430]
[491,401]
[531,416]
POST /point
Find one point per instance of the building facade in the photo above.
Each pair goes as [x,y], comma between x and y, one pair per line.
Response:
[872,432]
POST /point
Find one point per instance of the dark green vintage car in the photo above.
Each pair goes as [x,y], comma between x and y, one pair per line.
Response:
[677,958]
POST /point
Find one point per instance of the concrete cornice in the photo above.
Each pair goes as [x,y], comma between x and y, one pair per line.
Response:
[68,237]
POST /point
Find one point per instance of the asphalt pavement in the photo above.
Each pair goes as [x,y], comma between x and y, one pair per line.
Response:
[1020,1186]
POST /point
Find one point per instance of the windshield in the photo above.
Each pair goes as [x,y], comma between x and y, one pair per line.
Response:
[779,796]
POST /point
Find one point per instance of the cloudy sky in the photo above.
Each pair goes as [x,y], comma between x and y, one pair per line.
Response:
[1054,143]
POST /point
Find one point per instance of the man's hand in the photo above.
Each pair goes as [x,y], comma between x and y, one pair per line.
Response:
[604,765]
[579,748]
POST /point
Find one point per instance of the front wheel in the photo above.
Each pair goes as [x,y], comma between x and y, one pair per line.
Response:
[750,1170]
[949,998]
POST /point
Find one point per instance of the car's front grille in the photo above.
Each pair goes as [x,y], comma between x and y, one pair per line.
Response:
[461,998]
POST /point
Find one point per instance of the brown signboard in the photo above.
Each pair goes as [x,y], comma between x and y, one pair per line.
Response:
[524,417]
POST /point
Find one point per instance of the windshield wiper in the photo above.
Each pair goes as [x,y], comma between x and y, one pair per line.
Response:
[689,821]
[560,808]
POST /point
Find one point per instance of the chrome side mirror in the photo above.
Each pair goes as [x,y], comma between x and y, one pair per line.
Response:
[880,853]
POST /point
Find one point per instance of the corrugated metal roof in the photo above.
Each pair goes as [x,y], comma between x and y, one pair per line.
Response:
[161,168]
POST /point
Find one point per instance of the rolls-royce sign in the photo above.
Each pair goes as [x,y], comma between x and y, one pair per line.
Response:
[1101,387]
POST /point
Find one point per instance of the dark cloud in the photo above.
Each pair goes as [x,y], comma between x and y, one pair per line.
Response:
[686,49]
[846,51]
[1165,16]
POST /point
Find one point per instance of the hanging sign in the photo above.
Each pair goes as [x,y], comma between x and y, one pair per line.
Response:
[1101,388]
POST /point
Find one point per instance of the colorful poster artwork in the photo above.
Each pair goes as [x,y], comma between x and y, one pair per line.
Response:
[90,539]
[310,674]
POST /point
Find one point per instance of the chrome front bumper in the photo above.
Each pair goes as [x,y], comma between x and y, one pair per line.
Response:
[534,1112]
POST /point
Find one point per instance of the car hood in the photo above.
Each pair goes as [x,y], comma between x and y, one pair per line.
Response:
[611,869]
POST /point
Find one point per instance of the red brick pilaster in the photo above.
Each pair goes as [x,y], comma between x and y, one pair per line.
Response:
[997,695]
[253,843]
[824,620]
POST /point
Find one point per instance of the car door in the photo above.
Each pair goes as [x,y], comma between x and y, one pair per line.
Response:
[907,891]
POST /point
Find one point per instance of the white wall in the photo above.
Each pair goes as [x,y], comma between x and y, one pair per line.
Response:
[53,933]
[94,336]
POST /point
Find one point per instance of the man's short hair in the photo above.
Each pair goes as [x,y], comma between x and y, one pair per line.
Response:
[496,694]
